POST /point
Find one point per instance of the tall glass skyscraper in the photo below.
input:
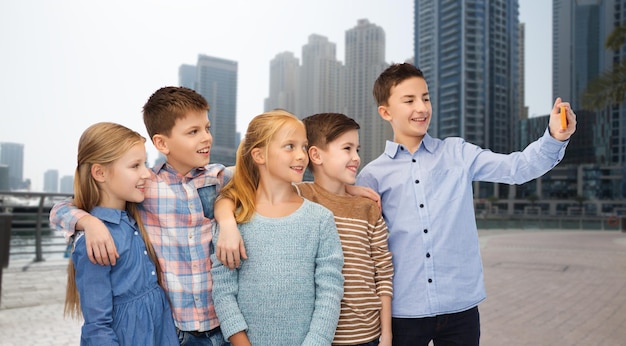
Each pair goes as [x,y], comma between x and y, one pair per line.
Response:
[283,82]
[216,80]
[365,60]
[469,53]
[319,87]
[580,29]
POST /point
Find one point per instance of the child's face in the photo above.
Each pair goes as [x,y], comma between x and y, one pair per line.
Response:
[189,144]
[408,110]
[124,179]
[287,155]
[340,160]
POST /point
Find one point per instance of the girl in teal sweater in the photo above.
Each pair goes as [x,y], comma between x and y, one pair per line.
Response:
[288,291]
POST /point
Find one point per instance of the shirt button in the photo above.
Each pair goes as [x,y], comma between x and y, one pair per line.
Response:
[430,280]
[427,255]
[417,181]
[153,273]
[413,160]
[190,236]
[421,205]
[145,252]
[136,233]
[425,231]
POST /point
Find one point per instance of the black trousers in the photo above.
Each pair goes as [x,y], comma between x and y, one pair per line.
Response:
[457,329]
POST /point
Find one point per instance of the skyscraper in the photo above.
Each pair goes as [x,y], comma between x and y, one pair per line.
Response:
[216,80]
[66,184]
[468,51]
[283,82]
[51,181]
[319,78]
[365,60]
[580,29]
[12,155]
[187,76]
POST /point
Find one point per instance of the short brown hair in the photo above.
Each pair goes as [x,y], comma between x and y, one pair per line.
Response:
[169,104]
[392,76]
[324,128]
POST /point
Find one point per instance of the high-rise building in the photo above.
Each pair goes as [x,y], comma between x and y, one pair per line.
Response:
[12,155]
[283,82]
[216,80]
[319,78]
[51,181]
[4,177]
[187,76]
[580,29]
[66,184]
[364,61]
[468,51]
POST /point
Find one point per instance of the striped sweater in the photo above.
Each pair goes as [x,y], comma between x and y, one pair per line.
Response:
[367,270]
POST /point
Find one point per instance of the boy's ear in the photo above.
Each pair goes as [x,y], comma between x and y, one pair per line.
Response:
[314,155]
[160,144]
[384,113]
[258,155]
[98,172]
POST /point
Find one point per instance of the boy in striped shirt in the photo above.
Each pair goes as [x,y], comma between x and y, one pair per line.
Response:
[365,317]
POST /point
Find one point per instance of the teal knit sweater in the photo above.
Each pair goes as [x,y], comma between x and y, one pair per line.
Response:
[288,291]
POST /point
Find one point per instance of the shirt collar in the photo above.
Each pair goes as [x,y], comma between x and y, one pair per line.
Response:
[111,215]
[392,148]
[165,166]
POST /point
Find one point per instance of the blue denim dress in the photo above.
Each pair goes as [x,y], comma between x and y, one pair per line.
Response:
[122,304]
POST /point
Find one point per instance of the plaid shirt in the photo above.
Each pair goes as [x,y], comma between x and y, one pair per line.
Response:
[178,215]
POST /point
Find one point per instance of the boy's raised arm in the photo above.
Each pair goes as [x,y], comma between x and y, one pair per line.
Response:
[230,248]
[100,246]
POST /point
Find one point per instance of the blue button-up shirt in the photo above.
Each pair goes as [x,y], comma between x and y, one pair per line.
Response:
[427,202]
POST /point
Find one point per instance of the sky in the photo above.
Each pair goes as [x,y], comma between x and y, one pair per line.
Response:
[67,64]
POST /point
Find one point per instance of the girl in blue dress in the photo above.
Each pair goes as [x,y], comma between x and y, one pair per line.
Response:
[121,304]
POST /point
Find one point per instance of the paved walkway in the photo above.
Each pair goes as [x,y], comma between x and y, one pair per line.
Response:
[543,288]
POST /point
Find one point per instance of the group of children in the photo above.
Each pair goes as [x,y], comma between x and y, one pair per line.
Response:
[292,262]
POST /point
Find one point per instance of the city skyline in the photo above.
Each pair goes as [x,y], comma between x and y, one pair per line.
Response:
[50,67]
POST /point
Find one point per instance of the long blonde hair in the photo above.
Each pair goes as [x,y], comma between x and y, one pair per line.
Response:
[245,182]
[101,143]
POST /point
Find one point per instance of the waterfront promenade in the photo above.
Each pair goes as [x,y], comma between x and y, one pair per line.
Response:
[543,288]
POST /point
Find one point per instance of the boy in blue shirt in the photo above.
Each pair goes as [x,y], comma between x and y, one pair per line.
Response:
[425,185]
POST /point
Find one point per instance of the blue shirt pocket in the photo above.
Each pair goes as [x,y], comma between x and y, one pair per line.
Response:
[208,194]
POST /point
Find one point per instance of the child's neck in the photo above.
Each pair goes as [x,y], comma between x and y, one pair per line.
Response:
[277,200]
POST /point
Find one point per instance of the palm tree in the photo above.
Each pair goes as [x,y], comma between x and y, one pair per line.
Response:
[610,87]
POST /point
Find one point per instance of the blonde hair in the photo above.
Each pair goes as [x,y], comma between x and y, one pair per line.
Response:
[243,186]
[101,143]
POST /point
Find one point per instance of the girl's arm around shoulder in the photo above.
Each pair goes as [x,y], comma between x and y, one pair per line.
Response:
[100,246]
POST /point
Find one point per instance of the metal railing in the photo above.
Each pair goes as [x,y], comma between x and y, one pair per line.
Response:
[30,235]
[32,238]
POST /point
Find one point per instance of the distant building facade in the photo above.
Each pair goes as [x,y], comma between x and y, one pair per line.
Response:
[284,69]
[51,181]
[66,184]
[216,80]
[365,60]
[12,155]
[4,178]
[579,56]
